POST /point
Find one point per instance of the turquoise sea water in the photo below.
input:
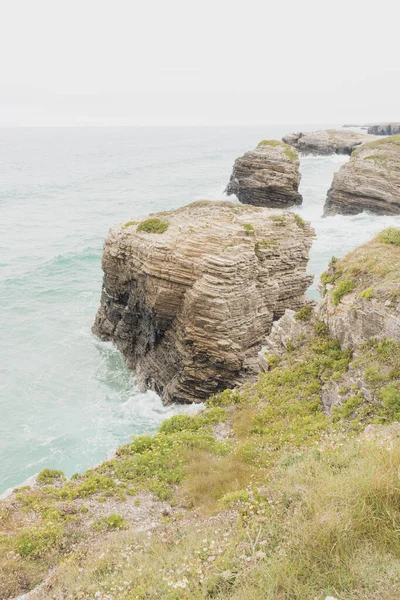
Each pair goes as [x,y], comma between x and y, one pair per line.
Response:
[66,398]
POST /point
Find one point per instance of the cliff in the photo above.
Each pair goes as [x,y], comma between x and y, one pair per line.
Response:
[369,181]
[267,176]
[361,295]
[384,129]
[328,141]
[270,491]
[188,295]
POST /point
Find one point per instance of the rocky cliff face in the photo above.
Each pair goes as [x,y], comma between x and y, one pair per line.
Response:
[362,293]
[327,141]
[369,181]
[189,295]
[267,176]
[361,309]
[384,129]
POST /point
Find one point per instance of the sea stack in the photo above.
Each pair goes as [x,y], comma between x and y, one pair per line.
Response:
[189,295]
[267,176]
[384,129]
[328,141]
[369,181]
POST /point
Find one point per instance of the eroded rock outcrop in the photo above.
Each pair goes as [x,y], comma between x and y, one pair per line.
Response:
[361,293]
[369,181]
[267,176]
[328,141]
[361,309]
[189,306]
[384,129]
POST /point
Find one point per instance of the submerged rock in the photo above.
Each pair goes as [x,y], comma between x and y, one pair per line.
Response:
[189,306]
[267,176]
[384,129]
[369,181]
[328,141]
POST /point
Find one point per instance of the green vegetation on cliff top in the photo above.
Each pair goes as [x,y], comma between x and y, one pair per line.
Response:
[153,225]
[290,152]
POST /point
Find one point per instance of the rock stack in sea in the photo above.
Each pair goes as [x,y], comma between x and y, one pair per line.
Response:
[328,141]
[267,176]
[384,129]
[189,295]
[369,181]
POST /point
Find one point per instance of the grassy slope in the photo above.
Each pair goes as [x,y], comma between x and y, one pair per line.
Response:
[272,499]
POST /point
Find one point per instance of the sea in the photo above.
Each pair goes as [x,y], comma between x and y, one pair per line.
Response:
[67,399]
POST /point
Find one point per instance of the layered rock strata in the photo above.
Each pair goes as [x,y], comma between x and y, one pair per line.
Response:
[325,142]
[267,176]
[384,129]
[189,307]
[362,293]
[369,181]
[360,308]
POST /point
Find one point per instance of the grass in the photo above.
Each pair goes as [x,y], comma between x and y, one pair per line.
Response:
[153,225]
[326,524]
[289,151]
[273,143]
[299,221]
[311,514]
[390,236]
[129,224]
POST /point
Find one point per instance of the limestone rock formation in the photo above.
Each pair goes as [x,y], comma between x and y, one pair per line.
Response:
[360,308]
[189,295]
[329,141]
[384,129]
[267,176]
[369,181]
[361,298]
[288,330]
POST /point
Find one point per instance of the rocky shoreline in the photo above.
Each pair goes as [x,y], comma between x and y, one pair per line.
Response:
[325,142]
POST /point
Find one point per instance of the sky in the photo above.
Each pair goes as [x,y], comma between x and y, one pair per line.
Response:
[180,62]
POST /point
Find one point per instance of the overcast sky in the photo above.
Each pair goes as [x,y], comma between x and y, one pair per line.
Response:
[178,62]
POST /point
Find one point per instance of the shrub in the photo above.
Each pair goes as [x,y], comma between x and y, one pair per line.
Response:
[38,541]
[304,313]
[47,476]
[366,294]
[113,521]
[390,236]
[248,229]
[390,398]
[153,225]
[343,287]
